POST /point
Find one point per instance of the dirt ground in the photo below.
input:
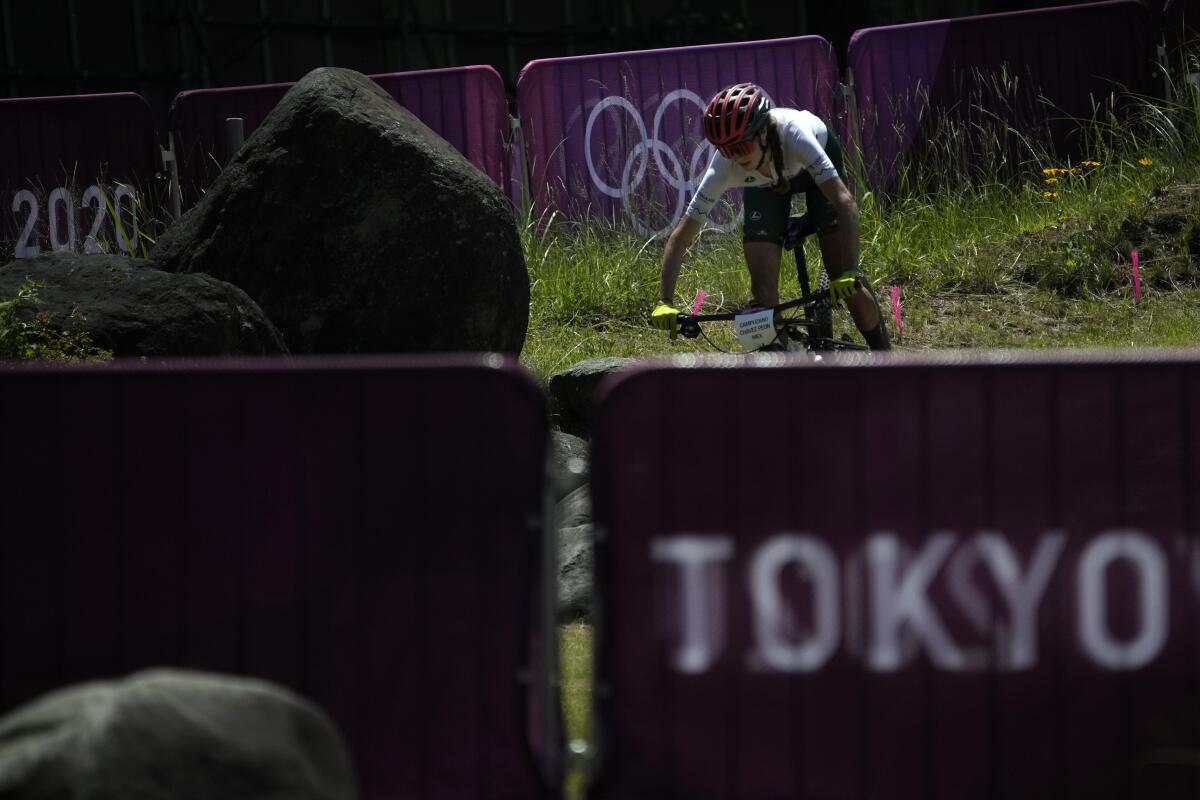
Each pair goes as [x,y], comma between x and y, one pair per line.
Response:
[1171,226]
[1064,274]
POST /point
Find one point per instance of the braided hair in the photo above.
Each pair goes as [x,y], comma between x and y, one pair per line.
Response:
[775,149]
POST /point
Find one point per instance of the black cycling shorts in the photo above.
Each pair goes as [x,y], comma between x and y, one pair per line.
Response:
[766,211]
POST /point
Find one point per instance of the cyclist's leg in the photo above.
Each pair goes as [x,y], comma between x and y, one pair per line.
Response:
[836,247]
[765,222]
[837,254]
[863,306]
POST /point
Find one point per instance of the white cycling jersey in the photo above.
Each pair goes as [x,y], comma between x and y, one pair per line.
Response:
[802,136]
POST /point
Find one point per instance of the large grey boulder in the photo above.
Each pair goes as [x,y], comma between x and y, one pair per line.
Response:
[173,735]
[358,229]
[134,309]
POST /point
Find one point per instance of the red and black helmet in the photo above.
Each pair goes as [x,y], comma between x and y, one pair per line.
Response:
[734,116]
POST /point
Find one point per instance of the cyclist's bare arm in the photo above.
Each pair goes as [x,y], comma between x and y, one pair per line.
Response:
[845,245]
[677,244]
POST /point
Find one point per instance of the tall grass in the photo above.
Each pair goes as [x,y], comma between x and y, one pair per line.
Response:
[980,131]
[592,284]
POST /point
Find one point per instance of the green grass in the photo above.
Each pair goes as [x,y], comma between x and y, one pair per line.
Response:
[576,664]
[992,266]
[577,678]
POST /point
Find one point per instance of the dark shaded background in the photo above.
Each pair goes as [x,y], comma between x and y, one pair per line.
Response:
[160,47]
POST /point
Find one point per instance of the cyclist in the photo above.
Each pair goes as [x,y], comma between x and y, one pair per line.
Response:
[775,153]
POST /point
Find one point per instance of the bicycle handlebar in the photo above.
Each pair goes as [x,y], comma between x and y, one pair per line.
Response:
[814,299]
[729,316]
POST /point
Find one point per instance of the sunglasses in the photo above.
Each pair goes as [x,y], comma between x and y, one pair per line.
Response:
[736,149]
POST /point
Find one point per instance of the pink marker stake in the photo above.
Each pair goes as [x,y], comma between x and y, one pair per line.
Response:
[700,295]
[1137,280]
[896,310]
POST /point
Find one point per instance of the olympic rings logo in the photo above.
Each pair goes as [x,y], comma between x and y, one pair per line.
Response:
[633,173]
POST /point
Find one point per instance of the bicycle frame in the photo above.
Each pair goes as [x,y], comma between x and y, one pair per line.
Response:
[815,306]
[692,321]
[798,328]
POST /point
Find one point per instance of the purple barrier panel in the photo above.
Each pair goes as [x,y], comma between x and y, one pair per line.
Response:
[307,523]
[983,73]
[197,121]
[967,577]
[466,106]
[66,164]
[618,135]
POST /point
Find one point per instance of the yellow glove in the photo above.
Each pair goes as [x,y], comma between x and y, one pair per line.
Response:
[665,318]
[841,288]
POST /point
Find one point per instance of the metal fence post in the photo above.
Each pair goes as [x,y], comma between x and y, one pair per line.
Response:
[170,160]
[518,144]
[857,171]
[1164,66]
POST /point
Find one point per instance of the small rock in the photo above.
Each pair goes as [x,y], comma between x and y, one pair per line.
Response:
[572,390]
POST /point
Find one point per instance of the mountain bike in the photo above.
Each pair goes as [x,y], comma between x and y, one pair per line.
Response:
[804,324]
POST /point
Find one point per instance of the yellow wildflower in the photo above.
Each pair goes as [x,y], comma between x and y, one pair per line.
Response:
[1145,162]
[1049,194]
[1050,181]
[1053,170]
[1076,170]
[1090,163]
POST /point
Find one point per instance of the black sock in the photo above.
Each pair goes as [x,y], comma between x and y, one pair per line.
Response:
[877,339]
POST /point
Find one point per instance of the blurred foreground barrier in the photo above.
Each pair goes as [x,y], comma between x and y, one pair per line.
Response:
[466,106]
[958,92]
[962,577]
[74,173]
[366,532]
[618,136]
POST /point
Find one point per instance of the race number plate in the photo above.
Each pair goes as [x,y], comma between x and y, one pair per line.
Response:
[755,329]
